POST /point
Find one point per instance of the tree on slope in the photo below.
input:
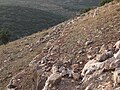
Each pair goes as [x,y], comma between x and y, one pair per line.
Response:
[4,35]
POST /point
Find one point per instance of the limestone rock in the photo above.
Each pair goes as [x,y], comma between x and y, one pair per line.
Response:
[102,49]
[117,45]
[116,76]
[90,57]
[33,63]
[115,63]
[91,66]
[104,56]
[88,42]
[117,55]
[54,69]
[52,81]
[89,87]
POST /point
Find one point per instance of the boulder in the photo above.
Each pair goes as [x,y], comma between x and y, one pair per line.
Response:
[115,64]
[117,45]
[116,76]
[52,81]
[91,66]
[104,56]
[54,69]
[117,55]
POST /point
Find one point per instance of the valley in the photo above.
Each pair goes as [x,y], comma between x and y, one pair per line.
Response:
[25,17]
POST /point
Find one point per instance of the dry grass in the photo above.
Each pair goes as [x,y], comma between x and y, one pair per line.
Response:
[18,56]
[103,28]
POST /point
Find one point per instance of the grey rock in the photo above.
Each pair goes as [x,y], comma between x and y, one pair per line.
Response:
[104,56]
[115,64]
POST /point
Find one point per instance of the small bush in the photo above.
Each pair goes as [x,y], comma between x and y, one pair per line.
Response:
[85,10]
[103,2]
[4,36]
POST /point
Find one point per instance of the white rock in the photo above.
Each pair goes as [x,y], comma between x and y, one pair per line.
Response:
[61,68]
[116,76]
[52,81]
[117,45]
[91,66]
[102,49]
[33,63]
[89,87]
[88,43]
[117,55]
[115,63]
[54,69]
[10,89]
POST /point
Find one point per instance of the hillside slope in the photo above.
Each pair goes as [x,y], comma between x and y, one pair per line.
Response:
[23,21]
[25,17]
[62,7]
[62,52]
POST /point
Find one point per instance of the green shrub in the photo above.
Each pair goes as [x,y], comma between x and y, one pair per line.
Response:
[103,2]
[4,36]
[85,10]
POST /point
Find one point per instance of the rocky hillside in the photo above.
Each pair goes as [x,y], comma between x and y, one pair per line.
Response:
[80,54]
[25,17]
[24,21]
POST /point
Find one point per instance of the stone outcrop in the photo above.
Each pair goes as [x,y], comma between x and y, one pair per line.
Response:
[49,74]
[116,76]
[105,67]
[85,59]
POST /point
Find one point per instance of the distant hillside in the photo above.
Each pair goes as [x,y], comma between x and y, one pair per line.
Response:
[25,17]
[63,7]
[22,21]
[76,5]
